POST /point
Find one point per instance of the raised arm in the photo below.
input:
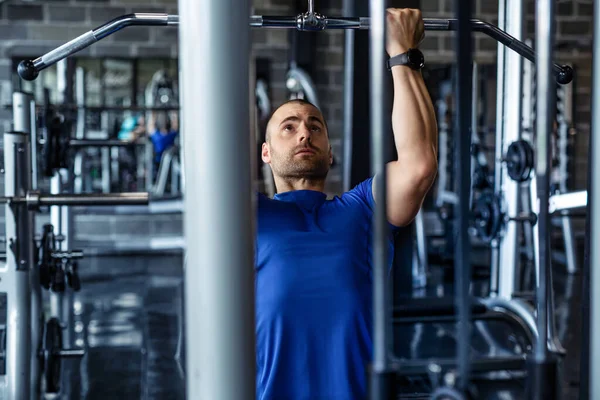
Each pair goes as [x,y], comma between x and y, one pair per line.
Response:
[413,122]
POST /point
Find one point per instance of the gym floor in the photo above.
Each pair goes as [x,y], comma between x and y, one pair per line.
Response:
[130,318]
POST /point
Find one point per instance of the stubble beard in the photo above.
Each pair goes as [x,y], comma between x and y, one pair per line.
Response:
[314,167]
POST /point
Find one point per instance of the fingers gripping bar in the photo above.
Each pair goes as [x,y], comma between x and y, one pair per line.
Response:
[310,21]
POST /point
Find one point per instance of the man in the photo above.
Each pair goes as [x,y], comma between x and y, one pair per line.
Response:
[313,256]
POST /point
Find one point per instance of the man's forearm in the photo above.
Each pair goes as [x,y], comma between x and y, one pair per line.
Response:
[413,119]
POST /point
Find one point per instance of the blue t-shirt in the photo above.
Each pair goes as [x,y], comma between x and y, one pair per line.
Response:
[162,142]
[314,295]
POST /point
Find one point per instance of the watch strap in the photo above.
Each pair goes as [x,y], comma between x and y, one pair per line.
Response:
[400,59]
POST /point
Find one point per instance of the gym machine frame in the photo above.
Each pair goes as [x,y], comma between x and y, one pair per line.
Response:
[594,220]
[25,358]
[309,21]
[222,365]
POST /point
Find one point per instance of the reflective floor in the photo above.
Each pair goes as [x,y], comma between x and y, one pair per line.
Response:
[130,309]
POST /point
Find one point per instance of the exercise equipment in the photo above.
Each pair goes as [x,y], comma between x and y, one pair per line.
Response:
[488,216]
[58,144]
[33,348]
[519,160]
[226,29]
[57,268]
[52,353]
[309,21]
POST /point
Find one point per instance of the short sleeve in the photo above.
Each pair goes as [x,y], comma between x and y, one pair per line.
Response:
[363,193]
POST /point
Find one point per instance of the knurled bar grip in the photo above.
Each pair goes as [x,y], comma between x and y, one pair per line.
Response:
[35,200]
[30,69]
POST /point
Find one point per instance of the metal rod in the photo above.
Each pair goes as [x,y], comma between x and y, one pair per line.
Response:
[14,276]
[24,120]
[545,103]
[96,199]
[70,353]
[348,8]
[474,124]
[30,69]
[381,307]
[512,98]
[21,111]
[499,149]
[100,143]
[462,267]
[568,201]
[594,217]
[219,275]
[66,254]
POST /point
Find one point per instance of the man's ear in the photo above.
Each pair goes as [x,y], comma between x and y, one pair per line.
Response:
[330,156]
[265,153]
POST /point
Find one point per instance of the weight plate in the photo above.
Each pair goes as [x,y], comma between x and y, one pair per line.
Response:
[519,160]
[488,216]
[52,361]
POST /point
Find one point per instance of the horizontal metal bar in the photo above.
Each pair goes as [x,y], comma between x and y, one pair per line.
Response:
[34,200]
[30,69]
[96,199]
[70,353]
[568,201]
[155,206]
[420,367]
[100,143]
[69,255]
[80,107]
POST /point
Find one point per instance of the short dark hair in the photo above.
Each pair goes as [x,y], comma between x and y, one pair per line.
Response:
[298,101]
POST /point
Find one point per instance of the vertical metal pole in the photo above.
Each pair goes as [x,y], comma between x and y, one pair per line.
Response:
[420,262]
[474,123]
[21,111]
[542,379]
[80,129]
[105,160]
[462,267]
[512,97]
[24,122]
[500,91]
[14,275]
[594,216]
[564,122]
[348,9]
[219,228]
[56,219]
[377,103]
[528,193]
[381,383]
[545,102]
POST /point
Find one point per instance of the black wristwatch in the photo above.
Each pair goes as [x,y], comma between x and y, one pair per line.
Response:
[413,58]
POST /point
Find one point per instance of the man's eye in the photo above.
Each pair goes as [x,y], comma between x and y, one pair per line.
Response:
[288,128]
[316,128]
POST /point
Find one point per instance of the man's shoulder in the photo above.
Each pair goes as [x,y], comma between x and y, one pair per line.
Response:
[361,194]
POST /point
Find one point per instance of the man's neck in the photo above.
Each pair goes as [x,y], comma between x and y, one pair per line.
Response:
[288,184]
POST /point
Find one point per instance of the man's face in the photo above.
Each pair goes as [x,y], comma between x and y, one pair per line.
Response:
[298,143]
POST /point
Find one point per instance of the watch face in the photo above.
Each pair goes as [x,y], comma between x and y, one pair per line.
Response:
[415,58]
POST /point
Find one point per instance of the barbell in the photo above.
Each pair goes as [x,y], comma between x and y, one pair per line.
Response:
[309,21]
[34,199]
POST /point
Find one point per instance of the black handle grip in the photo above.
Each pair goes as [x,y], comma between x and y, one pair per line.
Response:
[27,70]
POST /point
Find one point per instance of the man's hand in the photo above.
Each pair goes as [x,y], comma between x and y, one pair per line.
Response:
[405,30]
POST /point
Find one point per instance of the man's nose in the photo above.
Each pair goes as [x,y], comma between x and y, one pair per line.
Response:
[305,133]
